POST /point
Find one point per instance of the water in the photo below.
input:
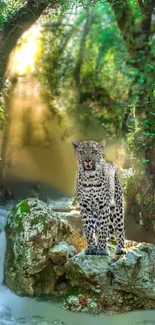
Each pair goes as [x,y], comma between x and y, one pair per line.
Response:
[2,255]
[16,310]
[25,310]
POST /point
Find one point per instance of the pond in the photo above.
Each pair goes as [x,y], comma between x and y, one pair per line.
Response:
[33,312]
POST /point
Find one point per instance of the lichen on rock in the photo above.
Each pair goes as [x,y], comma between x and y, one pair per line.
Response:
[123,284]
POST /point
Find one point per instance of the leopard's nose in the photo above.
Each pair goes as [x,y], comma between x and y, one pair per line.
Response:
[88,163]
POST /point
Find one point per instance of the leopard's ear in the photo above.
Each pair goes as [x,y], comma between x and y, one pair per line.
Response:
[102,143]
[75,144]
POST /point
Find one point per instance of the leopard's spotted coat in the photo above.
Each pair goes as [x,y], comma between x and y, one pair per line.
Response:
[100,198]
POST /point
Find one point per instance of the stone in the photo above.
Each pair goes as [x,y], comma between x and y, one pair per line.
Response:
[60,253]
[85,310]
[65,209]
[45,256]
[61,205]
[126,283]
[73,303]
[73,218]
[98,291]
[35,237]
[92,306]
[135,273]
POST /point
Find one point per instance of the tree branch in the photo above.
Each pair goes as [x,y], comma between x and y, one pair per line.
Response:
[141,5]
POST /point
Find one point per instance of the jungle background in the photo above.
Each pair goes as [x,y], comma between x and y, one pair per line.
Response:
[78,70]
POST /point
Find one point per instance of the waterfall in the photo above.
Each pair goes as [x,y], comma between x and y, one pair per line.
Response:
[4,210]
[2,255]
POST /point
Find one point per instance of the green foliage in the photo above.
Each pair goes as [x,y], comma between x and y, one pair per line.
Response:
[8,9]
[3,7]
[83,69]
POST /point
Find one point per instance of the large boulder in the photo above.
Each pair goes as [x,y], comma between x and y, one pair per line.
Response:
[38,246]
[44,253]
[123,284]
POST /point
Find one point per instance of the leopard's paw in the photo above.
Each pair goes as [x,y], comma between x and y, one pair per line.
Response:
[104,252]
[90,251]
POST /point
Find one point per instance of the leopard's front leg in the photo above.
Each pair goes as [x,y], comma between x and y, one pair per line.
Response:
[89,223]
[103,229]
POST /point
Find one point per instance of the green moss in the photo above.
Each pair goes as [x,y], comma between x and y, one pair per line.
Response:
[19,210]
[74,291]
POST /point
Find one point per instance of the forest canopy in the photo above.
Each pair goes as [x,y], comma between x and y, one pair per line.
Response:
[83,55]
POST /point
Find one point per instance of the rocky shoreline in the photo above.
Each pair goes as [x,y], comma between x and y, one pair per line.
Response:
[45,257]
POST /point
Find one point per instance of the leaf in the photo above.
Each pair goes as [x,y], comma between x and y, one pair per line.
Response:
[145,161]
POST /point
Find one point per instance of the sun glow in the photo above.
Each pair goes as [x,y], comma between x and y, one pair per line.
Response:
[23,57]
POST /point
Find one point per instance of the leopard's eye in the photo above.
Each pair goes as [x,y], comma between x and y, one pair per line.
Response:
[94,152]
[82,152]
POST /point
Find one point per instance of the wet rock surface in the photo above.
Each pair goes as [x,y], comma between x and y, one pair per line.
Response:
[37,239]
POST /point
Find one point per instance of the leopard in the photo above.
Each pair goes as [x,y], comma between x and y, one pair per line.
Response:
[100,198]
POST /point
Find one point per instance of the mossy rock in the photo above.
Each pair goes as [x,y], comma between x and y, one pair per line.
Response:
[18,212]
[33,230]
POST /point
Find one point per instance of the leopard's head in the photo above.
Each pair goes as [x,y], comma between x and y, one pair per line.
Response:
[89,155]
